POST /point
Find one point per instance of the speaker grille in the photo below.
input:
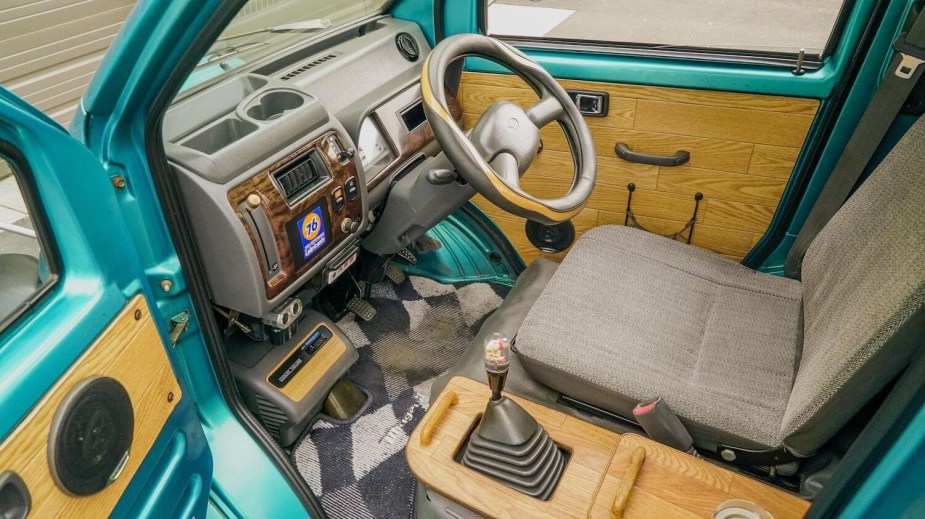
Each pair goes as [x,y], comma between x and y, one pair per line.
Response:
[91,436]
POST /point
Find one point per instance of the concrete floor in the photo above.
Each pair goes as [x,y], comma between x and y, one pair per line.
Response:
[13,211]
[772,25]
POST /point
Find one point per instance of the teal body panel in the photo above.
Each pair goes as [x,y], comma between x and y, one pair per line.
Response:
[114,123]
[99,273]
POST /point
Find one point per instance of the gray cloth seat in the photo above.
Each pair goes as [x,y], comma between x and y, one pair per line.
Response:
[716,340]
[745,359]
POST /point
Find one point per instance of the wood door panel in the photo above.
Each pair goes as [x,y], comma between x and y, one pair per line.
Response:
[773,161]
[715,122]
[743,150]
[129,350]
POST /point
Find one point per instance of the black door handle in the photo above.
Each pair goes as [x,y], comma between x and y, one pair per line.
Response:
[15,500]
[679,158]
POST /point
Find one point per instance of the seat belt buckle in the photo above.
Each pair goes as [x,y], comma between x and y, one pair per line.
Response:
[912,56]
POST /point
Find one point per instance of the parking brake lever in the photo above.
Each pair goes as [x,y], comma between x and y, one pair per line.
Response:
[663,426]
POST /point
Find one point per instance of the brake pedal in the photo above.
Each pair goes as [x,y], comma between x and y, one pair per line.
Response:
[408,256]
[361,308]
[395,274]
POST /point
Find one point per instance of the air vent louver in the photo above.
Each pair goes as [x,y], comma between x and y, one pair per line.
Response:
[300,178]
[271,416]
[310,65]
[407,46]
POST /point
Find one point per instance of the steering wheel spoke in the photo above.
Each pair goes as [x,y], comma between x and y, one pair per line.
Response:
[507,169]
[505,140]
[547,110]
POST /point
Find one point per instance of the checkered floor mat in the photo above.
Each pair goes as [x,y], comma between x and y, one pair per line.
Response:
[358,468]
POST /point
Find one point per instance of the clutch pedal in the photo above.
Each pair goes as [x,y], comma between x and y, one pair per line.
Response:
[361,308]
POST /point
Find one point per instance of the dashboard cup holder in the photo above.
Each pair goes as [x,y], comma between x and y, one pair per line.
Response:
[273,105]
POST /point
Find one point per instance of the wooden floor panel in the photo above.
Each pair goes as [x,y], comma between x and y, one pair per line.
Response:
[743,150]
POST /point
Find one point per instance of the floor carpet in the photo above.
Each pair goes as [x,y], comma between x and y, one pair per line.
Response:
[358,468]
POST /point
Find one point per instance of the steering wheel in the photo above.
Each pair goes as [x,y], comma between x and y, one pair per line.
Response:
[505,140]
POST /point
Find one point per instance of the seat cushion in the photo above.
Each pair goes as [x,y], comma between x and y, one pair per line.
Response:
[631,315]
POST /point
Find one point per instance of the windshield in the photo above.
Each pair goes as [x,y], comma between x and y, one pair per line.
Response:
[265,26]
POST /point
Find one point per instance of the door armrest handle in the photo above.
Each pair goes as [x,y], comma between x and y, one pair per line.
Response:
[16,501]
[680,157]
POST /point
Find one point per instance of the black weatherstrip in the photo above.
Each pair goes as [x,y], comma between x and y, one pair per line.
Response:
[439,21]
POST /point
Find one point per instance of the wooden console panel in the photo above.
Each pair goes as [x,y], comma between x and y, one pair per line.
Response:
[281,213]
[669,484]
[318,365]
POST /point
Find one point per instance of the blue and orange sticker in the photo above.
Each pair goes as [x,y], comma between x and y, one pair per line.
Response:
[312,233]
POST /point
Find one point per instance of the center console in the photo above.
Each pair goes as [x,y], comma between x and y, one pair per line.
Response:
[606,475]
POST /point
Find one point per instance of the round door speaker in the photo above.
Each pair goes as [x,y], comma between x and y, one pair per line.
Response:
[551,238]
[91,436]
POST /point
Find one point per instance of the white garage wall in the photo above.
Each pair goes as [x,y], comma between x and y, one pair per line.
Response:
[49,49]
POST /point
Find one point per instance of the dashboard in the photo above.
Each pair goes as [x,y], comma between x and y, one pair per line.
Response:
[284,167]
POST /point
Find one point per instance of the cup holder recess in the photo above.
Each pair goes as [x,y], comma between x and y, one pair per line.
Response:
[274,104]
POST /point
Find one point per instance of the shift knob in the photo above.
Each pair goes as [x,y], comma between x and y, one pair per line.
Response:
[497,362]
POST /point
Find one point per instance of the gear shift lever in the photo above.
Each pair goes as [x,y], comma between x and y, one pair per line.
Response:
[497,362]
[509,444]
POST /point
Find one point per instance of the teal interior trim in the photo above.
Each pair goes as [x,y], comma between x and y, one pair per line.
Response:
[894,488]
[462,17]
[465,253]
[144,58]
[420,12]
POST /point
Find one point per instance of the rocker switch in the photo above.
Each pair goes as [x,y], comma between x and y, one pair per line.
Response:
[351,187]
[337,199]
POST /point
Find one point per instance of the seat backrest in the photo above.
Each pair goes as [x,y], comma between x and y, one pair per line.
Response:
[863,295]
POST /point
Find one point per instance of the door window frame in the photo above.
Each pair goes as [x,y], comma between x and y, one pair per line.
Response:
[25,179]
[690,53]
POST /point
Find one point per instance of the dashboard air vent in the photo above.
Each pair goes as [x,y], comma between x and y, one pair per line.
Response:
[407,46]
[307,66]
[301,177]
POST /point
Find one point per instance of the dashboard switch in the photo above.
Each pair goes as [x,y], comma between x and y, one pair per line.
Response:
[337,199]
[350,226]
[351,187]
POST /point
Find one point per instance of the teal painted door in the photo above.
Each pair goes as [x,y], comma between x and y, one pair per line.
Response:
[86,312]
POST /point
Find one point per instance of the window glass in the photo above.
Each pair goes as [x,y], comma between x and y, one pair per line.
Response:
[740,25]
[262,27]
[23,271]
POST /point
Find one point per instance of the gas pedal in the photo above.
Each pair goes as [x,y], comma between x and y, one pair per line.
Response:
[408,256]
[395,274]
[362,308]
